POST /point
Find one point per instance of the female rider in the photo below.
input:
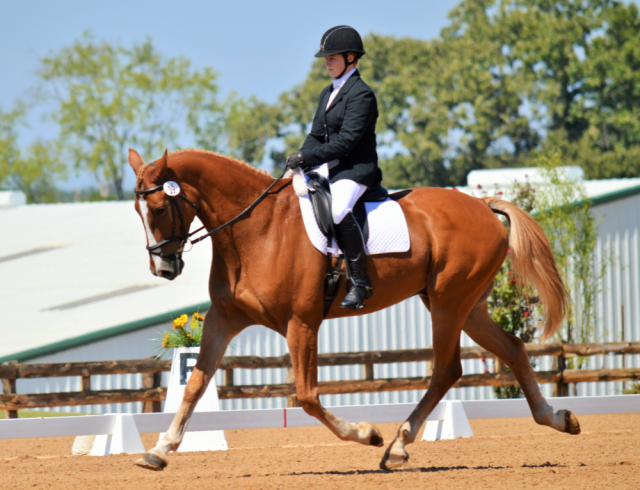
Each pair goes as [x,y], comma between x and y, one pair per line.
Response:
[343,142]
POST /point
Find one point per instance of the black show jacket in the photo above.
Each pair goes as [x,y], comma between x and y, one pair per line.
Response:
[344,135]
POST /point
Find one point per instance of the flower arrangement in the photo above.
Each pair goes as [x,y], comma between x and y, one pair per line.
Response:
[183,336]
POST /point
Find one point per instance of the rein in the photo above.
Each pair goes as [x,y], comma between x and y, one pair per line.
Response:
[186,237]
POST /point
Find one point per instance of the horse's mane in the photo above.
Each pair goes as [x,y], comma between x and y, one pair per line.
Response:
[221,157]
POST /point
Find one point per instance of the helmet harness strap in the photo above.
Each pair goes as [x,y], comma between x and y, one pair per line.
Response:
[346,64]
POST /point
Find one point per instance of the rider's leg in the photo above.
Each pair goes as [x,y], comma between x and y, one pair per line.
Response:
[345,194]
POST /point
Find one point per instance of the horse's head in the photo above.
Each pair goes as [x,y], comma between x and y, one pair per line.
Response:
[166,211]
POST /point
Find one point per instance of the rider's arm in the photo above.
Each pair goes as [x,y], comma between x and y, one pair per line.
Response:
[316,137]
[361,109]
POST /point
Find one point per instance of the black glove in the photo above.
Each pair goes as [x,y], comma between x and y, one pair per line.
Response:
[295,160]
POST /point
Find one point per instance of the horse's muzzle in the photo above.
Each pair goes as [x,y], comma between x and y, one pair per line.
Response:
[174,269]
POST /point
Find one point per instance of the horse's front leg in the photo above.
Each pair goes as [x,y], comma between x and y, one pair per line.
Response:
[303,346]
[215,339]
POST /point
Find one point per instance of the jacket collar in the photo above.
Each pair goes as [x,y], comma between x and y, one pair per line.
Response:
[344,90]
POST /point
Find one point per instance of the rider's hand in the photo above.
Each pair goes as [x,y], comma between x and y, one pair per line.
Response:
[295,160]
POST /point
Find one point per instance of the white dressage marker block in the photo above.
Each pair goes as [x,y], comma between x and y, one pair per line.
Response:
[450,424]
[124,438]
[184,360]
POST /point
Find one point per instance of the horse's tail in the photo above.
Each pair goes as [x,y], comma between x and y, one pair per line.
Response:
[533,262]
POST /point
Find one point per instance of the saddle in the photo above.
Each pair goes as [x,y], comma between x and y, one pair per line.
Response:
[320,196]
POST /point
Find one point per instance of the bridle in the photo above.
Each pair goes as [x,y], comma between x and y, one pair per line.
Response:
[175,209]
[186,237]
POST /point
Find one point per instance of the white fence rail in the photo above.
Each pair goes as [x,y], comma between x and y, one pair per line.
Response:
[296,417]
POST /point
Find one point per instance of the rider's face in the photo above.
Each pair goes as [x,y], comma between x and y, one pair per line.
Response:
[335,64]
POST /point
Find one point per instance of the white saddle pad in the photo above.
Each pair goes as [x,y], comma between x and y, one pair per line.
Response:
[388,230]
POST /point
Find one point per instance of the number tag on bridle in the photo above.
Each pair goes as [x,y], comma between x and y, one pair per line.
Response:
[171,188]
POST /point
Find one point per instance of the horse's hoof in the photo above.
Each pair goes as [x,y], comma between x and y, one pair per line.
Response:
[369,432]
[572,426]
[152,462]
[376,440]
[394,458]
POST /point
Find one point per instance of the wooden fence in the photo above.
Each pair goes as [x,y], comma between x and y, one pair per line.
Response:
[152,393]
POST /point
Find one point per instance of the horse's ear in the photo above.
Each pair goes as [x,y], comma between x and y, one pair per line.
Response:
[161,167]
[135,160]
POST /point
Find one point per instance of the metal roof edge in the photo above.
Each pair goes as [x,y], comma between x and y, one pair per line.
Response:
[102,334]
[615,195]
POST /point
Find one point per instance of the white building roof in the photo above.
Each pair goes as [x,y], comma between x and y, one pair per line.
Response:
[490,182]
[73,273]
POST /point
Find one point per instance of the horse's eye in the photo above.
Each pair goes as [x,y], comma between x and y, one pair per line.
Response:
[160,211]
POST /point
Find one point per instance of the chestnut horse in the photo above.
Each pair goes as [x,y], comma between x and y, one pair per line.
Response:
[266,271]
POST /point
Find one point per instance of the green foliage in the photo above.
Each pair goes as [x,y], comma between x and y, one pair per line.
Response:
[107,98]
[249,124]
[634,389]
[32,170]
[562,209]
[505,82]
[564,213]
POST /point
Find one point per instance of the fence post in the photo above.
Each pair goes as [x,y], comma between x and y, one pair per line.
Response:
[86,382]
[150,381]
[367,372]
[228,377]
[9,388]
[292,400]
[560,364]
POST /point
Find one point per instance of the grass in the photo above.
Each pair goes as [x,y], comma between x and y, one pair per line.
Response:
[25,414]
[634,389]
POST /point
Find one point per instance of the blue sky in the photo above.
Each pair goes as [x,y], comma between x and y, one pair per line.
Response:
[257,47]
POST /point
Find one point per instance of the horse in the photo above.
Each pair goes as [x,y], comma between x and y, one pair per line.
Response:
[266,271]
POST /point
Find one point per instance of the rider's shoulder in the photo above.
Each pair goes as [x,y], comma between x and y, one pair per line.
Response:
[362,88]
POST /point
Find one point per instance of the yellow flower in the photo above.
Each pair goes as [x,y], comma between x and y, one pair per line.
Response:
[198,317]
[180,321]
[190,336]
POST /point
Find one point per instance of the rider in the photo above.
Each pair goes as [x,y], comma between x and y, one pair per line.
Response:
[342,142]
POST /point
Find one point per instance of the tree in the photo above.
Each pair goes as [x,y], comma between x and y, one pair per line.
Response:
[243,127]
[33,171]
[506,82]
[107,97]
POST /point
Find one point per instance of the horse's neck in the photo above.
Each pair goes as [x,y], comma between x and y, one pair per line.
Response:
[226,189]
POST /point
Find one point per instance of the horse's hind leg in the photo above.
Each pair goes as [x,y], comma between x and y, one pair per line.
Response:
[303,347]
[447,369]
[487,334]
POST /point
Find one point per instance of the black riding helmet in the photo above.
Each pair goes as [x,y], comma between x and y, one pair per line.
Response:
[341,40]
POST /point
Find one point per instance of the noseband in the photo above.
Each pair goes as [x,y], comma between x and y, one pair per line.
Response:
[186,237]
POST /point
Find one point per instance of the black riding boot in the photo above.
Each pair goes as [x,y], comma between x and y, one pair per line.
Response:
[352,244]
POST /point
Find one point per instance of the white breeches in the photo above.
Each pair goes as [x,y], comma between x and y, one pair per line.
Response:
[344,195]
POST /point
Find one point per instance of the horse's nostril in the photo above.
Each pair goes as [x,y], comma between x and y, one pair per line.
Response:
[166,274]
